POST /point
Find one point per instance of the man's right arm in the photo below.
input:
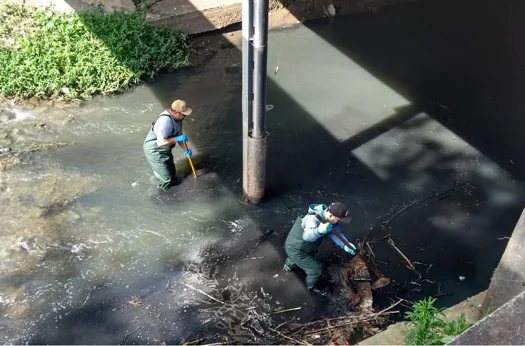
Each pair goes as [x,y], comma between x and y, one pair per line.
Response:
[163,128]
[314,229]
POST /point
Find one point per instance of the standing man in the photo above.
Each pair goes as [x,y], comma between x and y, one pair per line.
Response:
[165,132]
[307,234]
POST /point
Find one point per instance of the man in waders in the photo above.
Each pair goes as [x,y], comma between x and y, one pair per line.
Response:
[307,234]
[165,132]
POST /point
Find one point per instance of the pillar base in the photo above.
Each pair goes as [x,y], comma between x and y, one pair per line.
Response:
[256,177]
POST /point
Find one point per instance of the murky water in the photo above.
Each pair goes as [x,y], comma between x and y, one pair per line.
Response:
[92,253]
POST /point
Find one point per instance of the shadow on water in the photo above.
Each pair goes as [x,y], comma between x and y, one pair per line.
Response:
[379,171]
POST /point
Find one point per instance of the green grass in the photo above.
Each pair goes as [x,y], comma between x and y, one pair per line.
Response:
[428,326]
[68,56]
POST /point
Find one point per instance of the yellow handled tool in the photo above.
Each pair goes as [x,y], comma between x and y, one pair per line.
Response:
[189,158]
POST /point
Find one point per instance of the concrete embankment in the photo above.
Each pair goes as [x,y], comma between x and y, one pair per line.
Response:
[394,334]
[198,16]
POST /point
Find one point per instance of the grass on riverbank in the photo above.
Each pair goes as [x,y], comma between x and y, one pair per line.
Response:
[429,326]
[50,55]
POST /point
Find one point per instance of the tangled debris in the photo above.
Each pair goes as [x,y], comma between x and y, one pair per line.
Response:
[352,283]
[336,330]
[352,280]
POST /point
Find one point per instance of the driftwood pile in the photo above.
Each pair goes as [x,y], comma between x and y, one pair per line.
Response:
[352,283]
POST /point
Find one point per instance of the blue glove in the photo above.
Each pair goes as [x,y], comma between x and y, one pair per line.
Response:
[181,138]
[351,250]
[188,152]
[325,228]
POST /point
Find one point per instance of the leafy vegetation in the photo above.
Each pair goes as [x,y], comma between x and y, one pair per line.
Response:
[428,326]
[49,55]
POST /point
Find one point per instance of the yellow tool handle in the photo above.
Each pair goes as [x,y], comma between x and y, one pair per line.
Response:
[191,162]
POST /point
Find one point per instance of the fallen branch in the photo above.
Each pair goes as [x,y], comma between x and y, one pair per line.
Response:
[282,324]
[206,294]
[390,307]
[367,317]
[302,327]
[371,318]
[385,263]
[439,196]
[380,239]
[194,341]
[423,264]
[410,264]
[371,251]
[133,331]
[356,319]
[328,326]
[282,311]
[439,293]
[383,225]
[87,298]
[290,338]
[120,307]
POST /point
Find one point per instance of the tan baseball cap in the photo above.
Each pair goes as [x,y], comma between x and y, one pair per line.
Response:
[181,107]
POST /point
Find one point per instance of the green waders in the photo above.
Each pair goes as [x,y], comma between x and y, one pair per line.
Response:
[301,254]
[160,160]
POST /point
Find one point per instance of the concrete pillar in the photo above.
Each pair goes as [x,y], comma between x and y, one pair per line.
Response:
[255,41]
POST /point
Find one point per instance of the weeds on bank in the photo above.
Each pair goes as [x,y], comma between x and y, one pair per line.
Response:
[48,55]
[428,326]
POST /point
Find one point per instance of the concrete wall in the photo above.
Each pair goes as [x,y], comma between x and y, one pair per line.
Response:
[505,326]
[197,16]
[509,278]
[506,293]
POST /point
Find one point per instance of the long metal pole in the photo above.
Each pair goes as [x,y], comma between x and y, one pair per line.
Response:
[260,42]
[247,84]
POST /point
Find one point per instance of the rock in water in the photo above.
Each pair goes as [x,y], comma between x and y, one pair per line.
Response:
[205,184]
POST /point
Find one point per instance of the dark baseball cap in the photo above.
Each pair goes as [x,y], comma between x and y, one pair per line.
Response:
[340,210]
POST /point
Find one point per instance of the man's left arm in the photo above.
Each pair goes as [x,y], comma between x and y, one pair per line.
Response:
[188,152]
[178,135]
[338,242]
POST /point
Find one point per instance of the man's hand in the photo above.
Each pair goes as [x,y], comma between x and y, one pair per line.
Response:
[181,138]
[350,250]
[325,228]
[188,152]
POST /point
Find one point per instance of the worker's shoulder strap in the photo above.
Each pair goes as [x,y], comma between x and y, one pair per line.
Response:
[316,215]
[161,115]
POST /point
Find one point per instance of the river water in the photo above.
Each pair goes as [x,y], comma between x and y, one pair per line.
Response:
[92,253]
